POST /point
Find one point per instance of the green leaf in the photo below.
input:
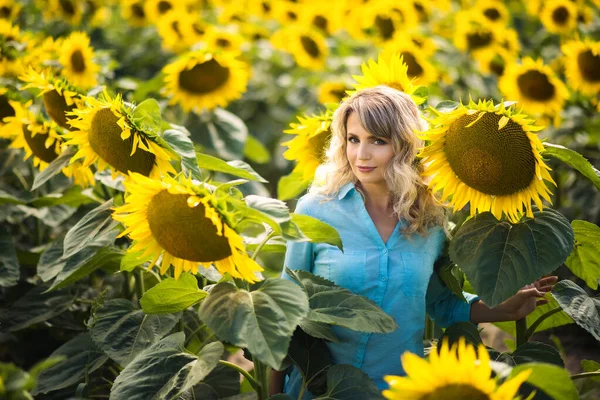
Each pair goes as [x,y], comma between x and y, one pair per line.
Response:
[9,264]
[457,330]
[146,116]
[591,366]
[446,106]
[222,382]
[131,260]
[345,382]
[500,258]
[73,197]
[34,307]
[317,231]
[335,305]
[291,186]
[255,151]
[550,379]
[579,305]
[53,168]
[536,352]
[584,261]
[184,147]
[452,277]
[261,321]
[96,224]
[311,357]
[228,133]
[319,330]
[7,198]
[235,168]
[172,295]
[107,257]
[421,91]
[123,331]
[165,370]
[574,160]
[81,358]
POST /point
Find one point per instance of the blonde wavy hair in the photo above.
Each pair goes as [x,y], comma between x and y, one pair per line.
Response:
[390,114]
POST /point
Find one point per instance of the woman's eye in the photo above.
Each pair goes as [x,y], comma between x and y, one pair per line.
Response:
[380,142]
[352,139]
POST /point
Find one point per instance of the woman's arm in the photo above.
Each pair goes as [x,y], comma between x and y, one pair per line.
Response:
[276,382]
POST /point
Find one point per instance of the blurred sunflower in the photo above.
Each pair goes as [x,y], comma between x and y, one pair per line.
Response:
[332,92]
[69,11]
[457,372]
[325,20]
[201,80]
[308,147]
[262,9]
[157,9]
[582,59]
[286,12]
[182,223]
[225,40]
[76,57]
[420,70]
[60,97]
[11,62]
[488,156]
[134,13]
[390,70]
[474,35]
[170,30]
[233,13]
[535,86]
[495,61]
[423,9]
[381,19]
[6,108]
[105,132]
[9,10]
[307,46]
[98,12]
[425,44]
[509,39]
[493,11]
[559,16]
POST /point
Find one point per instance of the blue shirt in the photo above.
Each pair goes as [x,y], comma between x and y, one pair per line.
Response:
[397,275]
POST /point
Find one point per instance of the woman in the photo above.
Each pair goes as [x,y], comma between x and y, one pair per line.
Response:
[371,191]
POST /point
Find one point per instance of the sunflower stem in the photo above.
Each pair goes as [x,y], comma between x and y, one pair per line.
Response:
[585,375]
[261,375]
[244,373]
[521,328]
[429,329]
[262,244]
[126,288]
[542,318]
[139,283]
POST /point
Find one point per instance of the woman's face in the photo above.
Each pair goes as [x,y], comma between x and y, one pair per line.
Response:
[368,155]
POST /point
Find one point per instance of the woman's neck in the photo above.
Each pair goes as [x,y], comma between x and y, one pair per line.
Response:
[377,197]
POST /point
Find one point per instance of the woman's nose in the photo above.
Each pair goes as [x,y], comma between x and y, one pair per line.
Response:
[363,152]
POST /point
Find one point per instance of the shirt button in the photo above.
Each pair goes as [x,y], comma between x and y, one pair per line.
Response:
[383,279]
[384,251]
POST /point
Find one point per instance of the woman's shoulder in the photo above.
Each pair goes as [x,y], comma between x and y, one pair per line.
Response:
[311,203]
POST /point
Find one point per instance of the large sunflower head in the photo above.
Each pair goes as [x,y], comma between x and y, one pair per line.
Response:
[308,147]
[390,70]
[76,57]
[105,132]
[535,86]
[203,80]
[308,47]
[489,156]
[582,59]
[181,223]
[9,9]
[559,16]
[456,372]
[60,97]
[134,13]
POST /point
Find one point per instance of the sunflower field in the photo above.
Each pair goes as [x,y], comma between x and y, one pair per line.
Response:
[151,153]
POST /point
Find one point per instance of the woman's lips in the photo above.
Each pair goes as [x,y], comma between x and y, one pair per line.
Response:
[365,169]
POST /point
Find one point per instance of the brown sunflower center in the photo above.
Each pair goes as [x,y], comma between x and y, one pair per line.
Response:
[164,6]
[338,93]
[492,14]
[310,46]
[67,6]
[184,231]
[138,10]
[37,144]
[198,28]
[494,162]
[266,7]
[318,144]
[589,65]
[77,61]
[292,16]
[320,22]
[385,26]
[223,43]
[5,12]
[56,107]
[560,15]
[204,78]
[6,110]
[414,68]
[105,140]
[535,85]
[497,65]
[456,391]
[479,39]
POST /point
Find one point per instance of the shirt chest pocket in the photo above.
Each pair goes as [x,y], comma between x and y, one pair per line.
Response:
[416,271]
[344,269]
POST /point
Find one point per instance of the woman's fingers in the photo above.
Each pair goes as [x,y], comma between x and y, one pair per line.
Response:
[541,302]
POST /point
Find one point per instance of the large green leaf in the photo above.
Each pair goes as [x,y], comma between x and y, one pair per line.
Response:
[227,132]
[235,168]
[34,307]
[466,330]
[9,264]
[131,260]
[53,168]
[7,198]
[165,370]
[81,358]
[222,382]
[172,295]
[255,151]
[452,277]
[317,231]
[262,321]
[345,382]
[550,379]
[146,116]
[579,305]
[73,197]
[319,330]
[335,305]
[500,258]
[311,357]
[574,160]
[534,352]
[107,257]
[584,261]
[291,186]
[93,226]
[123,331]
[184,147]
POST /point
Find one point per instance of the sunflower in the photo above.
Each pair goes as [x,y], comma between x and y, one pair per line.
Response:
[332,92]
[307,46]
[193,29]
[495,60]
[76,57]
[582,60]
[382,19]
[225,40]
[181,222]
[60,97]
[390,70]
[157,9]
[201,80]
[309,145]
[169,29]
[324,20]
[6,107]
[9,10]
[133,12]
[474,34]
[423,9]
[419,69]
[488,156]
[559,16]
[457,372]
[535,86]
[493,11]
[11,63]
[105,132]
[98,12]
[425,44]
[286,12]
[70,11]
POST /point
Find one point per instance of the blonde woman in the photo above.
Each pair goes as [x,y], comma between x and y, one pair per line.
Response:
[371,191]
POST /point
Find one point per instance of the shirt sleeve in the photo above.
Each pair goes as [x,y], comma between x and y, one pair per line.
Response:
[299,255]
[444,307]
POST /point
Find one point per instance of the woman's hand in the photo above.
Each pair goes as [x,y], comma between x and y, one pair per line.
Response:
[516,307]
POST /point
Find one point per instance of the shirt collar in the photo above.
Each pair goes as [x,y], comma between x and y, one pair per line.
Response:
[344,190]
